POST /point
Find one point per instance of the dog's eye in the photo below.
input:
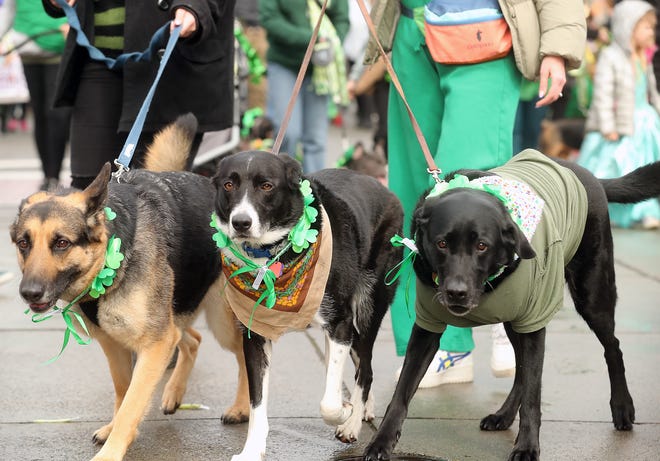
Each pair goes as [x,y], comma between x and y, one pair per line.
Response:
[228,186]
[62,244]
[266,186]
[22,244]
[442,244]
[481,246]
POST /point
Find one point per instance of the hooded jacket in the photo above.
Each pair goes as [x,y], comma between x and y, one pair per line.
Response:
[613,104]
[539,28]
[198,78]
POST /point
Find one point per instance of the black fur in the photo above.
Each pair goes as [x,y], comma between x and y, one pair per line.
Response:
[464,216]
[364,215]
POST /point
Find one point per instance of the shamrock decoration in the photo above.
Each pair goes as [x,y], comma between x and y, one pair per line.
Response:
[109,214]
[301,235]
[221,239]
[113,259]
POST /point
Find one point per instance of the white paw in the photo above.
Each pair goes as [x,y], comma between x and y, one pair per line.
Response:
[249,456]
[369,407]
[350,430]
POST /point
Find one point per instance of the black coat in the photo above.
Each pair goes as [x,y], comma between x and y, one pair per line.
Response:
[198,77]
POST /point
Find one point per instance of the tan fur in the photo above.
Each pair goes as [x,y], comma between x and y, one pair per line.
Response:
[168,151]
[133,317]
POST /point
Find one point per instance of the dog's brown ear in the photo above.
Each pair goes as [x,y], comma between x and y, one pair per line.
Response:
[514,237]
[292,171]
[96,193]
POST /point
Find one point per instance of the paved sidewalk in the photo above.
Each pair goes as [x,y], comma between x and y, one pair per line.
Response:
[443,422]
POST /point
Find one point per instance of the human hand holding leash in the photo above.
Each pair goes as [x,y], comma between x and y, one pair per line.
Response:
[70,2]
[185,19]
[552,68]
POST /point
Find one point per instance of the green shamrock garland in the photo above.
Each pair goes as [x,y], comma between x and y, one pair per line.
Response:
[299,238]
[105,278]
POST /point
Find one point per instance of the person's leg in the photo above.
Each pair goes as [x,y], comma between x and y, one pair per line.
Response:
[481,102]
[280,83]
[315,127]
[532,127]
[58,122]
[94,121]
[407,166]
[34,79]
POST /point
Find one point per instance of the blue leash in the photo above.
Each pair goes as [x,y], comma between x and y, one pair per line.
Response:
[126,155]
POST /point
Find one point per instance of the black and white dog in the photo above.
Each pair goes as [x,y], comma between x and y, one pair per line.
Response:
[499,248]
[259,203]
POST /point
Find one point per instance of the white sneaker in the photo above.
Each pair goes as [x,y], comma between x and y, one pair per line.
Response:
[5,276]
[447,368]
[502,359]
[650,223]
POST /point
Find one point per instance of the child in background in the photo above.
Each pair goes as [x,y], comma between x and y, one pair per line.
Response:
[623,124]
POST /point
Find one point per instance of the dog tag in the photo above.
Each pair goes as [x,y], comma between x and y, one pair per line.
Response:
[259,278]
[276,267]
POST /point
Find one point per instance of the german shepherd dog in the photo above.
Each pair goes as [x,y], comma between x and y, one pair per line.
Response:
[465,236]
[258,202]
[170,273]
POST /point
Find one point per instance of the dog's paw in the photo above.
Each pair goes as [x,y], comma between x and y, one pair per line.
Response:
[531,454]
[495,422]
[379,449]
[350,430]
[171,402]
[623,416]
[235,415]
[102,434]
[257,456]
[369,408]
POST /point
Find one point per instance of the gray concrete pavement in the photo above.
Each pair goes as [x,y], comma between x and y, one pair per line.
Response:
[443,422]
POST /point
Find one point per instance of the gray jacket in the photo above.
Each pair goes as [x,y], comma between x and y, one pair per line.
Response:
[613,103]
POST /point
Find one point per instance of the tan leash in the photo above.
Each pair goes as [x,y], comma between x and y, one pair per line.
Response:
[432,169]
[299,79]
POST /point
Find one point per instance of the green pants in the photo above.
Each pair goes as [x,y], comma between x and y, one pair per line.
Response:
[467,114]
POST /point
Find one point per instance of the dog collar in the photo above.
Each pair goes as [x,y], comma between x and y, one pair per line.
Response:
[258,252]
[105,278]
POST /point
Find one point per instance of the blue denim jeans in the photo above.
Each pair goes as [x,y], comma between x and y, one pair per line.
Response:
[309,120]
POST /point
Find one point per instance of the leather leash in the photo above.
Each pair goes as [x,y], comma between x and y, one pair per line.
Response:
[299,79]
[432,169]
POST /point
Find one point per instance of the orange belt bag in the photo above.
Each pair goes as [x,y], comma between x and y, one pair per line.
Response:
[466,31]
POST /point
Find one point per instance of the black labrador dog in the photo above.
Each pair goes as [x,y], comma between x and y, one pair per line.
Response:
[475,265]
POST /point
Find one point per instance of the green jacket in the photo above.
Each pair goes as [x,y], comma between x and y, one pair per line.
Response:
[31,19]
[538,28]
[289,28]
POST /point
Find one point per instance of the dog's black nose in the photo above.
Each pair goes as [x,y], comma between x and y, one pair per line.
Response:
[32,291]
[241,222]
[456,292]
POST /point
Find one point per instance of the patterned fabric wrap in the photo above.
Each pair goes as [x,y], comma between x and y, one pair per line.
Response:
[524,205]
[299,290]
[330,79]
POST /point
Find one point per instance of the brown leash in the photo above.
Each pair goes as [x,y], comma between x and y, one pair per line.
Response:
[432,169]
[299,79]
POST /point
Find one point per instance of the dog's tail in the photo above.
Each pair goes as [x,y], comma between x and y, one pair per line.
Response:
[171,147]
[640,184]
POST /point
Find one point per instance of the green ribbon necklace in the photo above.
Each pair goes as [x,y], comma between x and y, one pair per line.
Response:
[105,278]
[299,239]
